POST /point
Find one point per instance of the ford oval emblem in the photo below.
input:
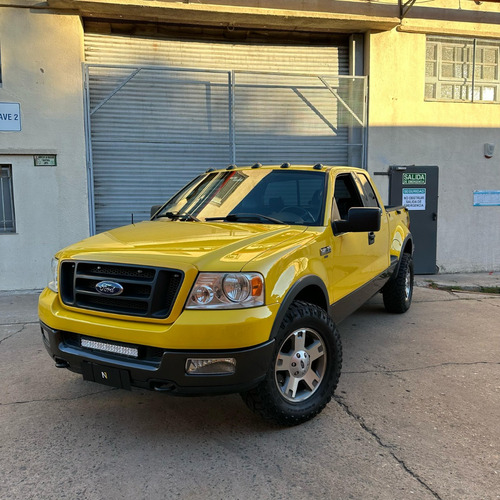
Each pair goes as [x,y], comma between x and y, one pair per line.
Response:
[109,288]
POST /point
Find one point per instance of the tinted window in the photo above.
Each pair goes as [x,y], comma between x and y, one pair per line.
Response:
[289,196]
[294,197]
[368,195]
[346,194]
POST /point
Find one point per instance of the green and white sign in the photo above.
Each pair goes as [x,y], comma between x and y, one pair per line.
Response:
[45,160]
[414,199]
[415,179]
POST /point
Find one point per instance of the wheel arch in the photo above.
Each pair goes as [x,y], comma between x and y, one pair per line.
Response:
[406,247]
[308,289]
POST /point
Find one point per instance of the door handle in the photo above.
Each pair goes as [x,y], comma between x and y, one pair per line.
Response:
[371,238]
[434,216]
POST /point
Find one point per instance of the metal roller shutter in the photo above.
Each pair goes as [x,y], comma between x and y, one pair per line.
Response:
[161,111]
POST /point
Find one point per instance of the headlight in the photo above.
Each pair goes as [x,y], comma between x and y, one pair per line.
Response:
[54,283]
[227,291]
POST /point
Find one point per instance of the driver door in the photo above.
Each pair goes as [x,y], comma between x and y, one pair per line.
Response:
[357,258]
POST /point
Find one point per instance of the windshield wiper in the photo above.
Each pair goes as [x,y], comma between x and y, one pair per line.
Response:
[178,216]
[240,217]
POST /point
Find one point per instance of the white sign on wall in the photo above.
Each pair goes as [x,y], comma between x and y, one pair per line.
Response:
[414,198]
[10,117]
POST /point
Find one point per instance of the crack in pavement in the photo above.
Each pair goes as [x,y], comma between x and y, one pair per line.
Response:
[56,400]
[20,323]
[23,326]
[440,365]
[387,447]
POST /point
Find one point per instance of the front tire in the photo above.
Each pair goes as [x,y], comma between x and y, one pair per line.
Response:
[304,370]
[398,292]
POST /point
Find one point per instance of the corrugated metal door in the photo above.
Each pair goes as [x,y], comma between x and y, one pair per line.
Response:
[161,111]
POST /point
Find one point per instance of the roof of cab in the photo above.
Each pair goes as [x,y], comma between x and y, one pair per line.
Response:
[286,165]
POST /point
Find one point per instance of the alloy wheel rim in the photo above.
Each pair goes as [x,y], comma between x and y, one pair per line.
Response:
[300,365]
[408,285]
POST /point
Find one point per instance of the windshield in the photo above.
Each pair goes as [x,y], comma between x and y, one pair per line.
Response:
[253,195]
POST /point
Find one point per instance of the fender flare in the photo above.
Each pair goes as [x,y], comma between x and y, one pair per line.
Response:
[408,241]
[291,295]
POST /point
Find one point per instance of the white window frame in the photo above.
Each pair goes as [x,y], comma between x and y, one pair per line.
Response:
[468,88]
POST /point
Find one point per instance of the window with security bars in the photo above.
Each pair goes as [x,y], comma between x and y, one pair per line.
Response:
[460,69]
[7,220]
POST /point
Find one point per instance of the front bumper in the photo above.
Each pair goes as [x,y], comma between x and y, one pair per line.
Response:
[157,368]
[189,330]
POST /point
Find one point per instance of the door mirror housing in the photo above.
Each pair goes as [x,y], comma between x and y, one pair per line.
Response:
[359,220]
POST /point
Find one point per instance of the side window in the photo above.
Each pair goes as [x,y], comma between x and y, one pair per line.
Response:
[346,194]
[367,193]
[7,220]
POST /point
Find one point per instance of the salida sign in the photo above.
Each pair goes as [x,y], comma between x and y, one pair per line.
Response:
[415,178]
[10,117]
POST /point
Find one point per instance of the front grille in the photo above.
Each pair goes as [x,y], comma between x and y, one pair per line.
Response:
[148,292]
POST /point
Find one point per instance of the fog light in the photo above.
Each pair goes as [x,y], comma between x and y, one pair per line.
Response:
[216,366]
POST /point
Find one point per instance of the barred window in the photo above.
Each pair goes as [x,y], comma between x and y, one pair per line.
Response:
[7,220]
[462,69]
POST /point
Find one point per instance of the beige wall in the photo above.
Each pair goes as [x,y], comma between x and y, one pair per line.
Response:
[41,56]
[406,130]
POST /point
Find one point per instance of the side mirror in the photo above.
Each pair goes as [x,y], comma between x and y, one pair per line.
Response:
[155,209]
[359,220]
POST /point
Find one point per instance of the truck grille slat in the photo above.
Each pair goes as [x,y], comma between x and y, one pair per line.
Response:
[146,291]
[116,271]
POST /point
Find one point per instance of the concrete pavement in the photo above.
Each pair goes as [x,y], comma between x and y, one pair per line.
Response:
[415,416]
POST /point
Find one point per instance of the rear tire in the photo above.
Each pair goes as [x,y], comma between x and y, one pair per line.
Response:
[304,370]
[398,292]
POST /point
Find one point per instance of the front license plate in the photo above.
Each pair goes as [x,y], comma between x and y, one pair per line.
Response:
[107,375]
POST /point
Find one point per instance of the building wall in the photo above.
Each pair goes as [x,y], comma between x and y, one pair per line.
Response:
[407,130]
[42,54]
[41,57]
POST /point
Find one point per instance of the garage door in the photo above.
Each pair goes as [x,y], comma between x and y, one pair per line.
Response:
[161,111]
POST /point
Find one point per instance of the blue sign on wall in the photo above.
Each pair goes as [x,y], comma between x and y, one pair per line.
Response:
[486,198]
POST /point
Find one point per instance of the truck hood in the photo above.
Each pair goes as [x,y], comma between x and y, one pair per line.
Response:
[200,244]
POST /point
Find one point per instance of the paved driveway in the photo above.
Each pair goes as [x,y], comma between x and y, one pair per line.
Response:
[416,416]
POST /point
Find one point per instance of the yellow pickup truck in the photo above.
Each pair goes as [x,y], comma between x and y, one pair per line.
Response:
[236,284]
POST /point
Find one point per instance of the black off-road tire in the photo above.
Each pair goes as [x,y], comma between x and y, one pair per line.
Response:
[304,370]
[398,292]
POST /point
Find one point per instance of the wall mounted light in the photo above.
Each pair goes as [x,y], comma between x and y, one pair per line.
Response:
[489,149]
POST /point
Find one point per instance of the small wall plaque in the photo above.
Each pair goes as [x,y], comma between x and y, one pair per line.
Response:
[486,198]
[45,160]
